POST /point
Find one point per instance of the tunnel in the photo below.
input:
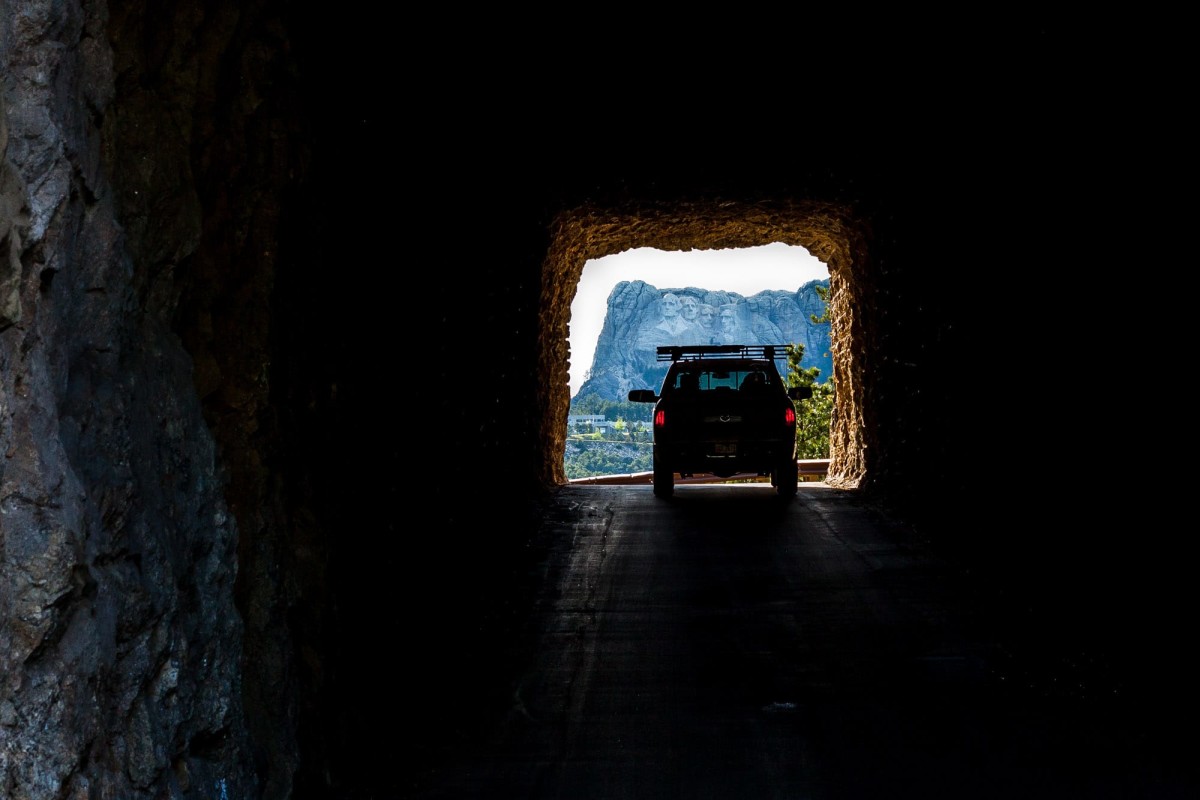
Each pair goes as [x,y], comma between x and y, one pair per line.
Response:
[283,361]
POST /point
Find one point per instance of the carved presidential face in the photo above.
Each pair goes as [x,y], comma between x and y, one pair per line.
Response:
[727,317]
[707,315]
[670,305]
[689,308]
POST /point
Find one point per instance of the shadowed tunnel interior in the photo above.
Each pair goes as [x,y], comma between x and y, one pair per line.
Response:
[427,491]
[969,393]
[969,398]
[370,273]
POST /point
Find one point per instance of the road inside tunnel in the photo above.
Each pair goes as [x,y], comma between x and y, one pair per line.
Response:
[726,643]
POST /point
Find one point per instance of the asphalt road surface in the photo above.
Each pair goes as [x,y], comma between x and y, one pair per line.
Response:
[728,644]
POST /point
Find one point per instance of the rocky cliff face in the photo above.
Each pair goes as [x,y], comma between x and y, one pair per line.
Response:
[126,654]
[641,318]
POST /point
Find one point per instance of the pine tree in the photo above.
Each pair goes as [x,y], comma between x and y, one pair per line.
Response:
[813,416]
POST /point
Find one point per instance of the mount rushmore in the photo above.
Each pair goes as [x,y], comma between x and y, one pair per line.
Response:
[641,318]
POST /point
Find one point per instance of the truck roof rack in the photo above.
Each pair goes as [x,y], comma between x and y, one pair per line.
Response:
[696,352]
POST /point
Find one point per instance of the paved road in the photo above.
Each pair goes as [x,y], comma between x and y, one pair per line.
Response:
[727,644]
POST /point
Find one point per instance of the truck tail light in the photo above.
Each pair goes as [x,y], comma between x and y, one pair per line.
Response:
[660,418]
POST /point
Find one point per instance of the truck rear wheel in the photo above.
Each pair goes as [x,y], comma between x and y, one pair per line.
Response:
[786,478]
[664,479]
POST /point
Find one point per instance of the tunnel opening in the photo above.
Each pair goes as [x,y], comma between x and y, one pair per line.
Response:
[769,294]
[829,233]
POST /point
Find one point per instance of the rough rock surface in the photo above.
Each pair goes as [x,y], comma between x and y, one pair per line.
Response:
[120,647]
[641,317]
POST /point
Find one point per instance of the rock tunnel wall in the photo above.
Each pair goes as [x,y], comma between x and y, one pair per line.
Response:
[122,648]
[141,153]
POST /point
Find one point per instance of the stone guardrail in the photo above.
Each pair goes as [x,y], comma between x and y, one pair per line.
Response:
[807,466]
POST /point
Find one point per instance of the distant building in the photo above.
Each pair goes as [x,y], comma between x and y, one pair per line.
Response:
[597,421]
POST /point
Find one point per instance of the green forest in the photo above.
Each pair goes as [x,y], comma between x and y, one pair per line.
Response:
[624,449]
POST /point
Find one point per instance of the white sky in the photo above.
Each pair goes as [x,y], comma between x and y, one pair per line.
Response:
[745,271]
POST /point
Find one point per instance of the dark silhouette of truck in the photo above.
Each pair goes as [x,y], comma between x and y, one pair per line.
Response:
[724,410]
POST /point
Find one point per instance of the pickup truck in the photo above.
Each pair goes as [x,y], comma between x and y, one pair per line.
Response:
[723,410]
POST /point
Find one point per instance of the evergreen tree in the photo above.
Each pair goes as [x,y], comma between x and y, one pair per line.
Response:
[813,416]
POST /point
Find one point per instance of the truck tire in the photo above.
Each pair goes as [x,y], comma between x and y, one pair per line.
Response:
[787,478]
[664,479]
